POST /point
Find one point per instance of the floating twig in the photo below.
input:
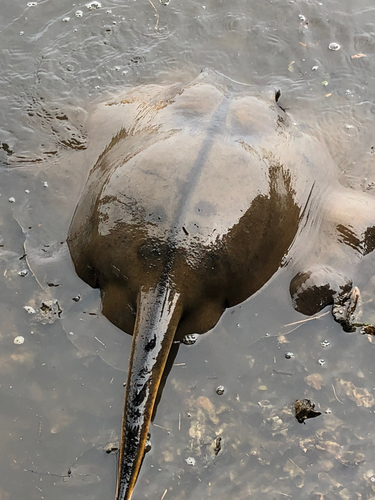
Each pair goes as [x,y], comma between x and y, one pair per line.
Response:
[157,15]
[334,392]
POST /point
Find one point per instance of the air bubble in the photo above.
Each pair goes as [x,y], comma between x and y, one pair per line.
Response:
[93,5]
[190,339]
[334,46]
[220,390]
[29,310]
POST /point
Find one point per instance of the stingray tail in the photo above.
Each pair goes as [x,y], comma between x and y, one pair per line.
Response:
[158,315]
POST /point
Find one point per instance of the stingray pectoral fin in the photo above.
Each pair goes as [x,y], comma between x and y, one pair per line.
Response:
[158,315]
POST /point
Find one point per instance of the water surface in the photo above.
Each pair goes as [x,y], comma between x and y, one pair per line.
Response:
[62,389]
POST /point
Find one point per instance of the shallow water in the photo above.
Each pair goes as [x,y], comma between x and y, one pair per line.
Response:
[62,389]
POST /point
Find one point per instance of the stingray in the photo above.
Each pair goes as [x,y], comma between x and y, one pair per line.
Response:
[191,207]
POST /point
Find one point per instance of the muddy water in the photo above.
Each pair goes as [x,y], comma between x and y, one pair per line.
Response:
[62,388]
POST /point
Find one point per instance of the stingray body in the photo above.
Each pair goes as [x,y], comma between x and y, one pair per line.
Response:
[191,207]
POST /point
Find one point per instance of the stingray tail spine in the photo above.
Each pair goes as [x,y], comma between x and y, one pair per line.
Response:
[158,315]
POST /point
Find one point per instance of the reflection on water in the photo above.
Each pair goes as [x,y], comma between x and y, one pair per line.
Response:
[62,400]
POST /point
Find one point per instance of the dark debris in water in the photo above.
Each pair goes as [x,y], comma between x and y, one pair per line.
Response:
[5,147]
[111,448]
[49,312]
[368,329]
[137,59]
[217,445]
[304,409]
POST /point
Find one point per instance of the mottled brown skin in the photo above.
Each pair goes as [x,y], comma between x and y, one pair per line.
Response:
[193,205]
